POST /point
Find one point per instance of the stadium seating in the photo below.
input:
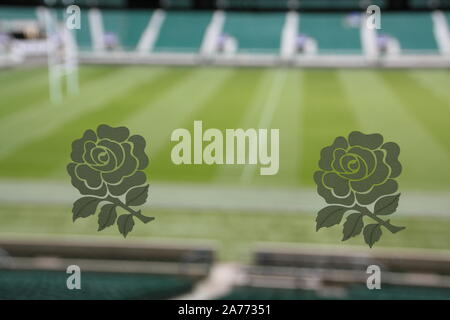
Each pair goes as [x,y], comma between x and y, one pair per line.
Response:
[413,31]
[333,4]
[261,4]
[182,31]
[128,26]
[83,35]
[427,4]
[255,32]
[304,257]
[45,284]
[335,33]
[251,293]
[9,13]
[303,4]
[392,292]
[179,4]
[108,3]
[331,32]
[354,292]
[303,272]
[35,269]
[137,251]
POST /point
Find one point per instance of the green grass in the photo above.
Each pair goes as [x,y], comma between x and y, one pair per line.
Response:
[410,107]
[313,107]
[235,232]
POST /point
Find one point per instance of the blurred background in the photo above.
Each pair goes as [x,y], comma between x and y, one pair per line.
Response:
[311,68]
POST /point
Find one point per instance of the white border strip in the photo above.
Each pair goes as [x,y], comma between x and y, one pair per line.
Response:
[151,33]
[441,32]
[97,32]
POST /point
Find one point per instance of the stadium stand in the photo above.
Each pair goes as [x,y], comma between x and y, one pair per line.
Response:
[304,257]
[10,13]
[102,3]
[83,36]
[304,272]
[261,4]
[332,4]
[255,32]
[400,25]
[426,4]
[320,38]
[127,26]
[303,4]
[389,292]
[45,284]
[35,268]
[182,32]
[332,32]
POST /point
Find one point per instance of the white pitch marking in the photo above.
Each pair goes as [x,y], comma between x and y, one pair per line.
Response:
[219,197]
[267,114]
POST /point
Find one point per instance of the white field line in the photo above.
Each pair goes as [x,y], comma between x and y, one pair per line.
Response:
[218,197]
[298,131]
[247,121]
[266,117]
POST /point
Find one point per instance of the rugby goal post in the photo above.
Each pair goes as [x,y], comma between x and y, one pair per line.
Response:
[62,56]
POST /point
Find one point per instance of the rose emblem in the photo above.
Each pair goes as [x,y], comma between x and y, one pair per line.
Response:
[354,174]
[107,166]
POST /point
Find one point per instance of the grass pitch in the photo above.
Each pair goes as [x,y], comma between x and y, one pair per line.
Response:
[310,107]
[411,108]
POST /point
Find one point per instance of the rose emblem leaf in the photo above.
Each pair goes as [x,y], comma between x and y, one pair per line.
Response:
[353,225]
[387,205]
[85,207]
[107,216]
[372,233]
[137,196]
[330,216]
[125,223]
